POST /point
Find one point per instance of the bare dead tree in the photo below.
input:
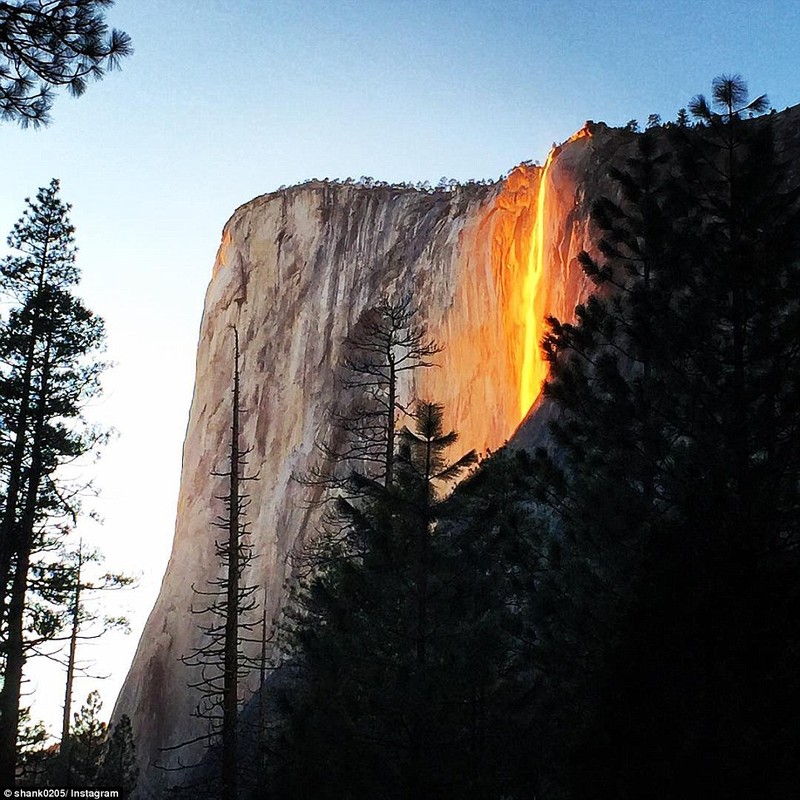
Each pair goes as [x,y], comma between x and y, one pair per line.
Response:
[388,341]
[228,604]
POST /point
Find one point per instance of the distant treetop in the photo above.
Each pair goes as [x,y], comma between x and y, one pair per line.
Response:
[46,44]
[729,100]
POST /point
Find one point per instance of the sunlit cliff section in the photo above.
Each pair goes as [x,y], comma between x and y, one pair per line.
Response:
[532,253]
[517,269]
[295,272]
[483,326]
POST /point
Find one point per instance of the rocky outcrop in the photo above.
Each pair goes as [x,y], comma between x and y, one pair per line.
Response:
[295,271]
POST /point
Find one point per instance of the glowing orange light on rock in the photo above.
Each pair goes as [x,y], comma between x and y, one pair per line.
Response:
[531,254]
[534,367]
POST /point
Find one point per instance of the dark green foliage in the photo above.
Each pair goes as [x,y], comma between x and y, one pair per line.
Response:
[119,767]
[75,583]
[653,121]
[46,45]
[383,710]
[49,342]
[88,743]
[674,481]
[35,760]
[495,539]
[729,102]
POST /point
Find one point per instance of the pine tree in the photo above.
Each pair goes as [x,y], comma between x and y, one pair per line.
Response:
[79,587]
[45,45]
[88,742]
[388,342]
[674,480]
[496,590]
[371,634]
[387,345]
[48,343]
[35,757]
[119,767]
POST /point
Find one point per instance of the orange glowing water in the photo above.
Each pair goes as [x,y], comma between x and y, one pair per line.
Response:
[502,368]
[534,366]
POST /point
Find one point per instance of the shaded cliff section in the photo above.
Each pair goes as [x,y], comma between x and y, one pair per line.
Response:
[294,273]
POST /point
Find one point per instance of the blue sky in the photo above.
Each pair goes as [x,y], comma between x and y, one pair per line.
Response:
[227,99]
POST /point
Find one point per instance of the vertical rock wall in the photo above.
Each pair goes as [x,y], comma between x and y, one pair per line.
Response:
[294,272]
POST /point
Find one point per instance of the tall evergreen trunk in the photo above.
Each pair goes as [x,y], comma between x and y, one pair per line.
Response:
[419,745]
[737,301]
[423,558]
[15,482]
[64,747]
[737,256]
[12,677]
[15,468]
[15,642]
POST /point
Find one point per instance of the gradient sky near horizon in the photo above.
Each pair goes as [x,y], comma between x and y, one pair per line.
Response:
[224,100]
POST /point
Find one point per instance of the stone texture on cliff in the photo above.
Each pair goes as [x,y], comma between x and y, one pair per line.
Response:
[294,272]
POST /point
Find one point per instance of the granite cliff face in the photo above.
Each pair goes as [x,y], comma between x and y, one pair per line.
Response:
[294,272]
